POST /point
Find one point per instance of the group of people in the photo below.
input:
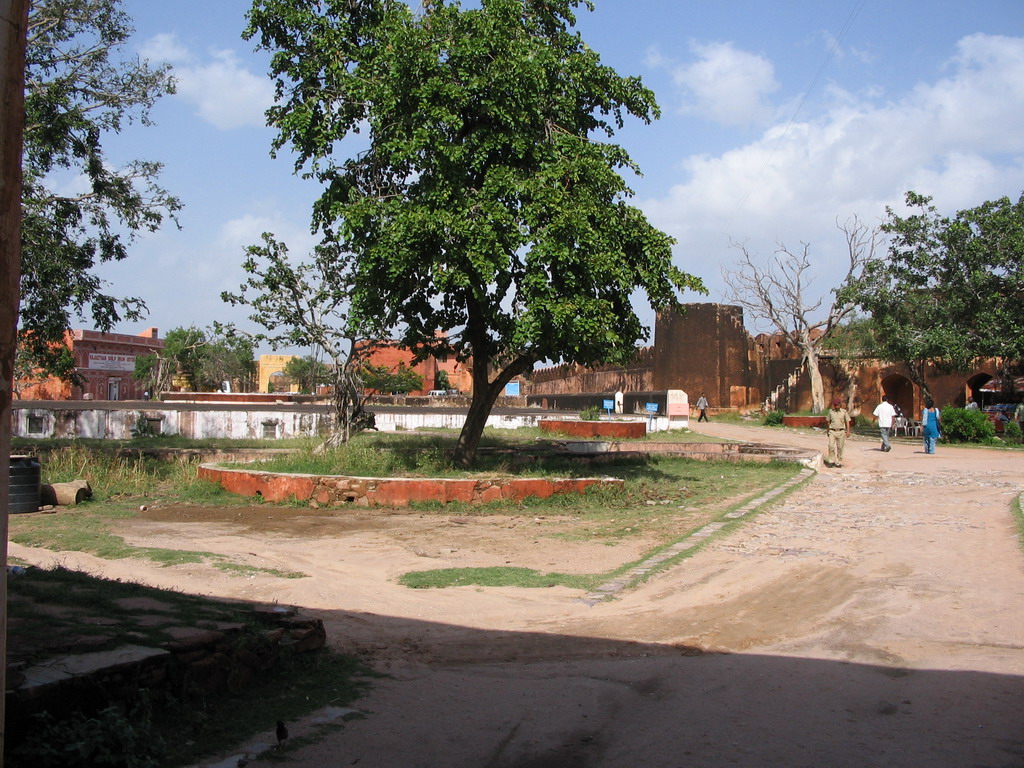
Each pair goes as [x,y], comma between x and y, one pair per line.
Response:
[839,424]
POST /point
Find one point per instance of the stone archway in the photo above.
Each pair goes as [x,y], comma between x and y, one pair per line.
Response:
[972,389]
[278,381]
[900,391]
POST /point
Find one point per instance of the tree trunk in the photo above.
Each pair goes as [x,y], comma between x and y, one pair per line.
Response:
[814,372]
[915,369]
[473,429]
[485,392]
[13,27]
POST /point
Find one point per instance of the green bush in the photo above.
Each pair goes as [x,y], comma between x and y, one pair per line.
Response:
[593,413]
[773,418]
[142,427]
[110,738]
[960,425]
[1012,432]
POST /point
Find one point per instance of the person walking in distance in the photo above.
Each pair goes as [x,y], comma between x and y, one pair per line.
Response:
[837,421]
[702,406]
[930,423]
[885,413]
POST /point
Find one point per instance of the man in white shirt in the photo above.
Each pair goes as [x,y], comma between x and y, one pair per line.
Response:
[702,406]
[884,412]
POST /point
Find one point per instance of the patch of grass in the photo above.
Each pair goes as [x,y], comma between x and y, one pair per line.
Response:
[83,598]
[118,483]
[1018,516]
[427,453]
[493,577]
[238,569]
[87,528]
[112,475]
[648,504]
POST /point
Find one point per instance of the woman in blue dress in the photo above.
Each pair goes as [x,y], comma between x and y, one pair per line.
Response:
[930,425]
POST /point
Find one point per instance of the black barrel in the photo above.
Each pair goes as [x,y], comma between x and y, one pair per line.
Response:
[25,484]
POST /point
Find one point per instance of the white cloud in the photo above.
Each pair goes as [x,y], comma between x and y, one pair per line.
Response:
[224,92]
[238,233]
[164,47]
[724,84]
[959,139]
[837,50]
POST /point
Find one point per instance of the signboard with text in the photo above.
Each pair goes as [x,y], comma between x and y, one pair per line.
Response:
[99,361]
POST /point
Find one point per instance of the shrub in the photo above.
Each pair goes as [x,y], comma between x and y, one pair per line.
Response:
[773,418]
[960,425]
[593,413]
[110,738]
[142,427]
[1012,432]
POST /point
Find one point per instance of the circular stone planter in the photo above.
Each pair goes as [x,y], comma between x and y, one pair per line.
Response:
[341,490]
[804,421]
[617,429]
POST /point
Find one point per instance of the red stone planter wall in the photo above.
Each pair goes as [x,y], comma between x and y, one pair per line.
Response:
[617,429]
[335,490]
[804,421]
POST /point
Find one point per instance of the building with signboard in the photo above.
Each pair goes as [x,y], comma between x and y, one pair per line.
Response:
[104,362]
[384,354]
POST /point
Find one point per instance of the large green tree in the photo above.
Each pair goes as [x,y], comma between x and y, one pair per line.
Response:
[203,358]
[402,379]
[80,88]
[486,199]
[951,289]
[307,372]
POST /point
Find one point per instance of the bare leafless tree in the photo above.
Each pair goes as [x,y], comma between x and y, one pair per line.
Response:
[779,295]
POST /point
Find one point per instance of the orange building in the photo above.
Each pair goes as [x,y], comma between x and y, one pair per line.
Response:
[104,361]
[389,355]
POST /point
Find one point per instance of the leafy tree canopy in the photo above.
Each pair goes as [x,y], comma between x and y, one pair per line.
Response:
[951,289]
[202,358]
[441,381]
[487,201]
[306,303]
[79,88]
[382,379]
[307,372]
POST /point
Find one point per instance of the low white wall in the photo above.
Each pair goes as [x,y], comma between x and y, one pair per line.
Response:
[117,424]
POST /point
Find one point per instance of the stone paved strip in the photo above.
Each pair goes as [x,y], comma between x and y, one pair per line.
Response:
[610,588]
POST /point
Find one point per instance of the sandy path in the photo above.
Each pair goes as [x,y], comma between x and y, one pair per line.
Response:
[873,618]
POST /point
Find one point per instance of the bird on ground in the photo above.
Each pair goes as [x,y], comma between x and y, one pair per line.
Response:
[282,734]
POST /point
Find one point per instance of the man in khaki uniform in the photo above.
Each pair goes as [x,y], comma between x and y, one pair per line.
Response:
[837,422]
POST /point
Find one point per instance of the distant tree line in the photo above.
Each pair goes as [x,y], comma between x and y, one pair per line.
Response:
[202,359]
[922,289]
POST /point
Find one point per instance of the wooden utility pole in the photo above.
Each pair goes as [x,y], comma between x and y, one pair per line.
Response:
[13,34]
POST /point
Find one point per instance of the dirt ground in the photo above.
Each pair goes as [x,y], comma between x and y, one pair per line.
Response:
[873,618]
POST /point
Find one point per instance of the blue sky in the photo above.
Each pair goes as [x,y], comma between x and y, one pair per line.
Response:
[778,118]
